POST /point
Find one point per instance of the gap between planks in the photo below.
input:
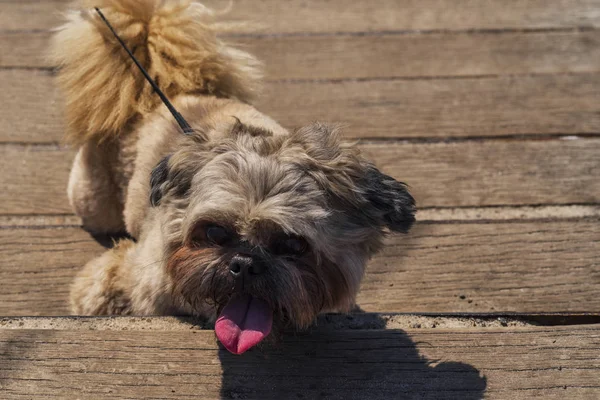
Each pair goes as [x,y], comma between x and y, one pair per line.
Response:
[382,32]
[454,214]
[365,140]
[376,15]
[354,321]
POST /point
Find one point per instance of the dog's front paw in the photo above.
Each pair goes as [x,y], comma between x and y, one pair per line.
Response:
[101,287]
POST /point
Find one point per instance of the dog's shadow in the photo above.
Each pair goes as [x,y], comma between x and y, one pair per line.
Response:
[346,363]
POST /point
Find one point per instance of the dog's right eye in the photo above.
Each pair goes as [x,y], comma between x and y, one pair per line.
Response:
[211,235]
[217,235]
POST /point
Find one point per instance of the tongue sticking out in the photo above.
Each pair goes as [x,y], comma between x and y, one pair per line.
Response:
[243,323]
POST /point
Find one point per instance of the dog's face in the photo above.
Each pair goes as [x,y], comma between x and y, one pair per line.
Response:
[278,228]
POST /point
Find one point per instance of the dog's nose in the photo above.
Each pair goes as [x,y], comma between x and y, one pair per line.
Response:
[245,266]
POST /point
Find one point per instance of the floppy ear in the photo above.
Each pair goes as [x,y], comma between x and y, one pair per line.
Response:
[158,180]
[390,198]
[356,183]
[172,176]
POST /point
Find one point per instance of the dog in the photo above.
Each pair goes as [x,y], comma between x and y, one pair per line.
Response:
[242,221]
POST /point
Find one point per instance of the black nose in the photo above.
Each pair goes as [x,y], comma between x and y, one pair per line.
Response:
[245,266]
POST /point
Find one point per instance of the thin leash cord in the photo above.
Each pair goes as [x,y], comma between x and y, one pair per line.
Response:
[185,127]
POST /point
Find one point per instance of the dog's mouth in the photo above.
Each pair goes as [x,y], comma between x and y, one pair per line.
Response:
[243,323]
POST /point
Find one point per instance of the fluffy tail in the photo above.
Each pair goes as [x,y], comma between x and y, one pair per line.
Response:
[175,40]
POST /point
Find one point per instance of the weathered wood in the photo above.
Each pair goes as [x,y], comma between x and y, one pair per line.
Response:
[37,267]
[275,16]
[498,363]
[471,107]
[494,172]
[385,55]
[32,108]
[460,174]
[34,180]
[338,321]
[382,56]
[546,104]
[529,266]
[482,267]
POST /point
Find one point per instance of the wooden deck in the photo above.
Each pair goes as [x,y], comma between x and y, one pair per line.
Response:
[490,110]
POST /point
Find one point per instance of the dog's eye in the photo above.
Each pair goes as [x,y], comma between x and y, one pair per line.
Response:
[217,235]
[291,245]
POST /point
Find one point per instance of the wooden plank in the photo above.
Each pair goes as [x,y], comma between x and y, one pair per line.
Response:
[351,16]
[508,363]
[32,108]
[546,104]
[498,172]
[459,174]
[34,179]
[531,266]
[470,107]
[37,267]
[384,55]
[484,267]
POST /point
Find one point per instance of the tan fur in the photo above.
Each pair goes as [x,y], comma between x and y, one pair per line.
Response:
[175,41]
[103,286]
[239,170]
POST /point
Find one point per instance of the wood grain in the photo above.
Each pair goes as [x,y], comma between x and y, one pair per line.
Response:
[509,363]
[545,104]
[498,172]
[460,174]
[34,180]
[466,54]
[384,55]
[470,107]
[532,266]
[275,16]
[483,267]
[37,267]
[32,107]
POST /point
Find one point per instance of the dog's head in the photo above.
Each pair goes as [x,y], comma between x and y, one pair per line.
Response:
[273,228]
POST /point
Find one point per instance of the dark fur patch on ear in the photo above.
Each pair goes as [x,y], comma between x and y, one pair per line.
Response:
[391,198]
[158,178]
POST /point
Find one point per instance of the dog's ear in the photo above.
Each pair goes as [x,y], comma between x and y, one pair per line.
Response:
[389,199]
[172,177]
[355,183]
[158,181]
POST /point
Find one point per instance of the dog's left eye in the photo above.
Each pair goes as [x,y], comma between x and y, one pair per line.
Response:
[291,245]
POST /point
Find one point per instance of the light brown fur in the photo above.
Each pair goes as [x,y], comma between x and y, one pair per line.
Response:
[239,170]
[177,43]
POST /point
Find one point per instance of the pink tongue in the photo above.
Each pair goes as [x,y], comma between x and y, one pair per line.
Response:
[243,323]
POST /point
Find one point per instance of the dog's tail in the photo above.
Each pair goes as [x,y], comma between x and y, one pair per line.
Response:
[175,40]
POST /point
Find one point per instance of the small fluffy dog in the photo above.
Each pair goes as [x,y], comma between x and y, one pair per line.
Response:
[242,221]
